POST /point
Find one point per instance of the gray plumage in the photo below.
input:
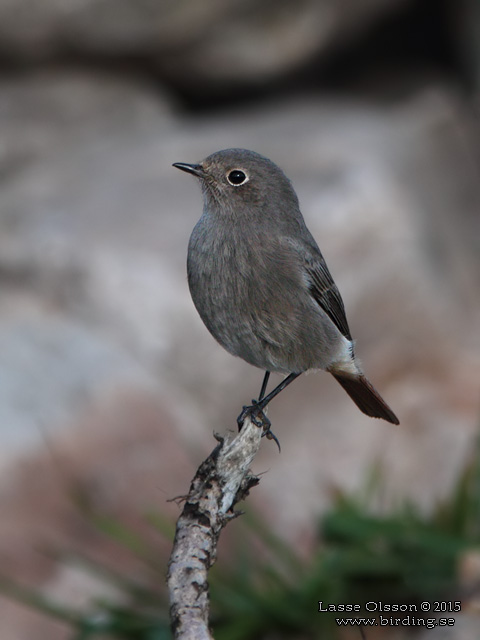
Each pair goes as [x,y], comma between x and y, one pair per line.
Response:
[259,280]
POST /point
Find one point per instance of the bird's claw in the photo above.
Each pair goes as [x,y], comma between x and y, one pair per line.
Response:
[271,436]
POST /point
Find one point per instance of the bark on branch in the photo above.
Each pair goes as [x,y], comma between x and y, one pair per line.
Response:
[221,481]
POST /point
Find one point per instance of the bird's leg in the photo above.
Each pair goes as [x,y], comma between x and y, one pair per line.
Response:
[267,430]
[264,386]
[261,404]
[255,410]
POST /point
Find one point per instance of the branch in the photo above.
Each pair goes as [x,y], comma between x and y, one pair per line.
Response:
[221,481]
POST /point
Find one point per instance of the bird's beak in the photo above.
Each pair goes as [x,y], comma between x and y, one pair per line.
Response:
[196,169]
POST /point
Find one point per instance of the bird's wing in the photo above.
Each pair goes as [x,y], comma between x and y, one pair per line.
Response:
[316,275]
[324,290]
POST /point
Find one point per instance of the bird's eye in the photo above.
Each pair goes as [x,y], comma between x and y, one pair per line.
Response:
[237,177]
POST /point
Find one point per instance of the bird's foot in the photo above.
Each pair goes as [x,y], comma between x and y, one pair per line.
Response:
[259,419]
[256,415]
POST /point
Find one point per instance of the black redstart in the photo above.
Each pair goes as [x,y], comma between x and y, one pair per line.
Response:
[261,284]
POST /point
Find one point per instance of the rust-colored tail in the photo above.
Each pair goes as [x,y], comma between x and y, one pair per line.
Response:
[365,396]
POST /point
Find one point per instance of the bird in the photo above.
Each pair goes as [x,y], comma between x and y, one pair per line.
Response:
[261,284]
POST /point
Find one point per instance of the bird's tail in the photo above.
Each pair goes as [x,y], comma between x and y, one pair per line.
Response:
[365,396]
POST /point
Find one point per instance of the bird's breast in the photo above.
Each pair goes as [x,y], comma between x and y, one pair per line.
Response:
[219,272]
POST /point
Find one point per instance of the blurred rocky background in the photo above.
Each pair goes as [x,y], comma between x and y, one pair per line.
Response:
[109,381]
